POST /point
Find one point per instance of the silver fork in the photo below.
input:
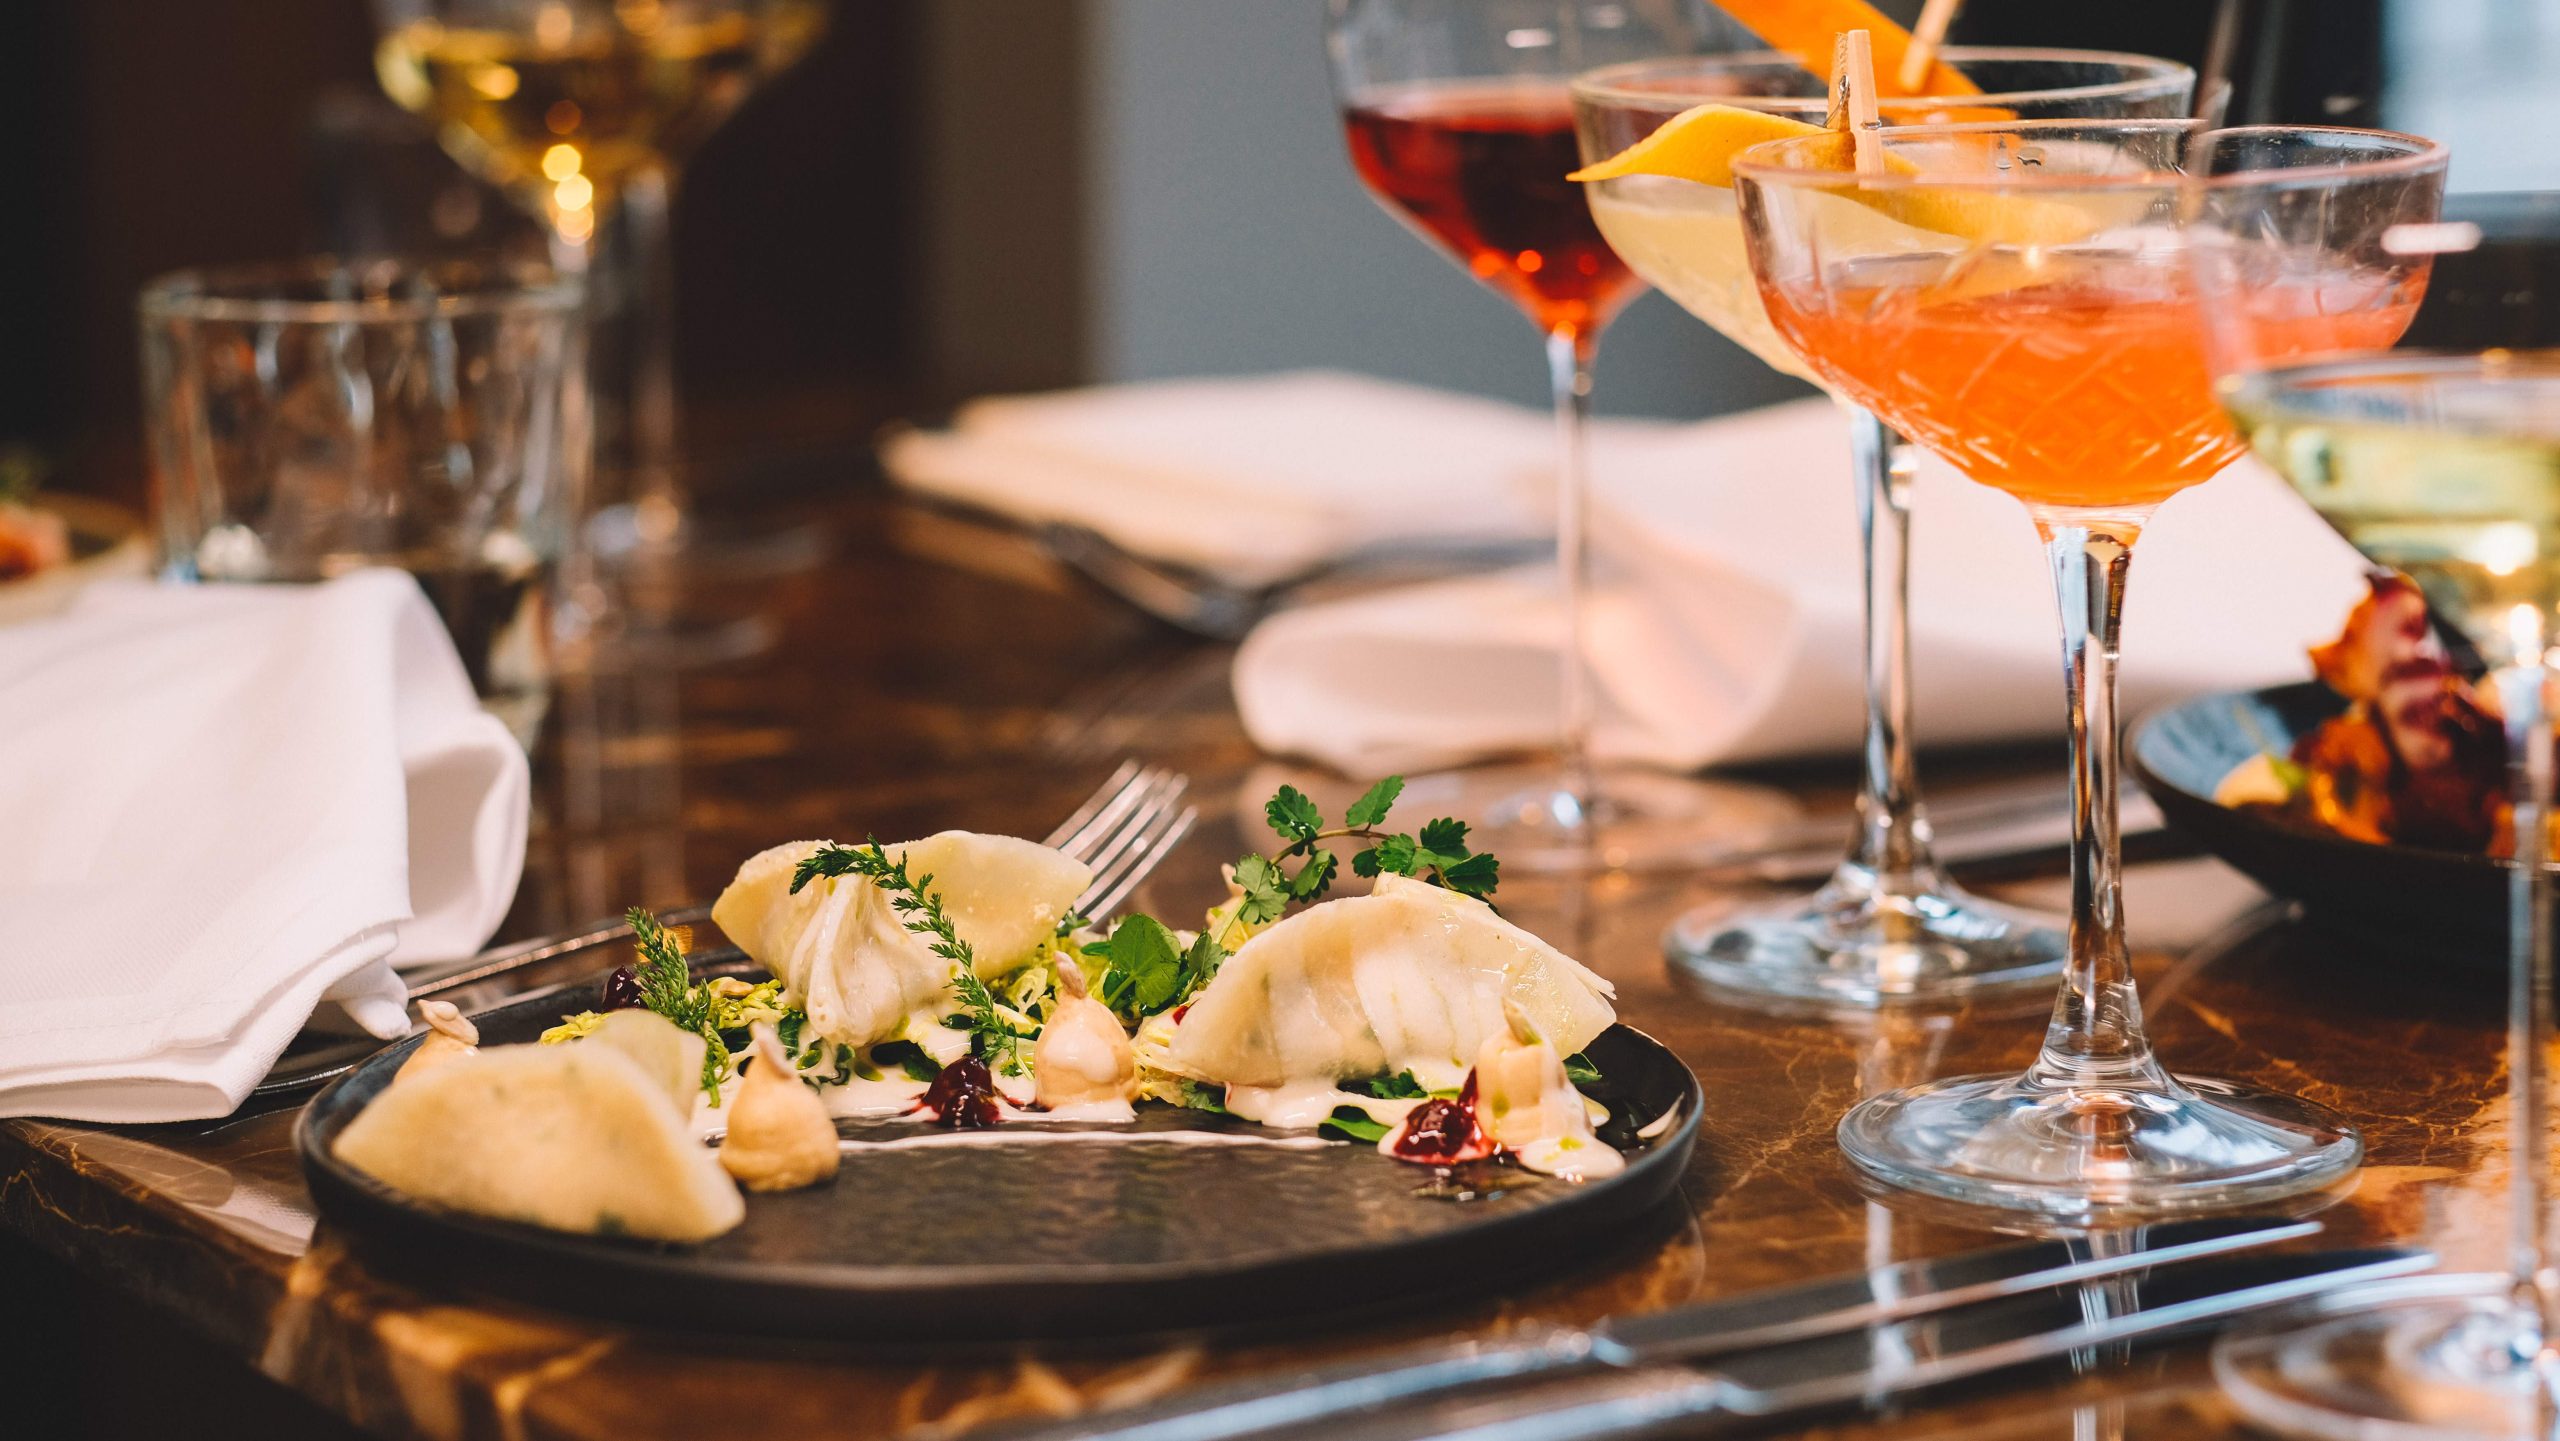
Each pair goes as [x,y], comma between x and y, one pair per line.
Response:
[1124,831]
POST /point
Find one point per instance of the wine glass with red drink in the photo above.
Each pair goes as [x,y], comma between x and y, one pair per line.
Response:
[1461,124]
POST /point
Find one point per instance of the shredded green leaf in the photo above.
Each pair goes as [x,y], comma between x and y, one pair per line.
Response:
[1354,1124]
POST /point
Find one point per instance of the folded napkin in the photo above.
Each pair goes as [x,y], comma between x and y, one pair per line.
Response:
[1253,479]
[226,804]
[1726,627]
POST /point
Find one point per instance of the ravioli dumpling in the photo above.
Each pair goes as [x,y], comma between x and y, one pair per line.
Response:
[573,1137]
[1410,977]
[844,952]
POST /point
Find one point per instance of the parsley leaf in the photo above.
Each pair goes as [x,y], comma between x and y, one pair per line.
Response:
[1294,817]
[1352,1123]
[1579,1069]
[1266,894]
[907,1056]
[1149,970]
[1475,876]
[1314,878]
[1445,837]
[1374,803]
[1402,1086]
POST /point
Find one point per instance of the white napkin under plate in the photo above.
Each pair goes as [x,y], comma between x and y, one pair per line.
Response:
[1253,479]
[1727,625]
[226,804]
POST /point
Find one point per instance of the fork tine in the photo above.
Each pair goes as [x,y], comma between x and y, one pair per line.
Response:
[1159,802]
[1143,862]
[1127,810]
[1083,814]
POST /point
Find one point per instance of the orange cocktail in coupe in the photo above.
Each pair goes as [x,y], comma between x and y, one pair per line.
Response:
[2089,392]
[2021,298]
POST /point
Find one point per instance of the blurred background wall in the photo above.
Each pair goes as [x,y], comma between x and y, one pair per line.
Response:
[947,197]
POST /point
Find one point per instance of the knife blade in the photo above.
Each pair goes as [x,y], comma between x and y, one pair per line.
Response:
[1865,1370]
[1901,1291]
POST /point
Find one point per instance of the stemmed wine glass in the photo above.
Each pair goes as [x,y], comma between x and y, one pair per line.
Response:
[1459,123]
[1889,926]
[2443,465]
[2015,296]
[582,110]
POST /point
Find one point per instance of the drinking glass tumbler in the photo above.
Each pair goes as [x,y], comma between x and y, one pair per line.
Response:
[316,417]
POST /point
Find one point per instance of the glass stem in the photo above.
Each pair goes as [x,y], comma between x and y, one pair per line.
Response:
[1893,839]
[626,260]
[1569,352]
[2096,1035]
[648,216]
[2521,696]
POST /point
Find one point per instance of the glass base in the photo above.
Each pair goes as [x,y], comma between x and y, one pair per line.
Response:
[1526,814]
[1860,944]
[2432,1358]
[2157,1146]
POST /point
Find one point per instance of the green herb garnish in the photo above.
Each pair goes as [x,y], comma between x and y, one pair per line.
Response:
[993,1038]
[1437,855]
[1402,1086]
[908,1057]
[1198,1097]
[666,987]
[1354,1124]
[1579,1069]
[1148,969]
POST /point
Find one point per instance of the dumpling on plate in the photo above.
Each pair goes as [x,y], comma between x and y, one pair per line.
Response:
[842,951]
[1410,977]
[576,1138]
[664,1053]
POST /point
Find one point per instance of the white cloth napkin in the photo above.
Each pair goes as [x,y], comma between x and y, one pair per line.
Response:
[1254,479]
[1727,626]
[225,804]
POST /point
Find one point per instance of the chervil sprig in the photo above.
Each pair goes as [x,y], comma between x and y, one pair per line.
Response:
[1438,855]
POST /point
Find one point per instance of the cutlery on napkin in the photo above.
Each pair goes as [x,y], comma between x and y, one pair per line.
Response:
[1252,479]
[1726,624]
[227,804]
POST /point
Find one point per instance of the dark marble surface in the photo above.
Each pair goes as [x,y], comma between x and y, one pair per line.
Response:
[911,693]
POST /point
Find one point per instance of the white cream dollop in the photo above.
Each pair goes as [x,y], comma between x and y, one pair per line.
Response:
[780,1138]
[1528,1105]
[450,1037]
[1082,1062]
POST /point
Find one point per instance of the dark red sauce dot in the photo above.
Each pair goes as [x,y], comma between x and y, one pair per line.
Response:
[963,1096]
[621,990]
[1443,1132]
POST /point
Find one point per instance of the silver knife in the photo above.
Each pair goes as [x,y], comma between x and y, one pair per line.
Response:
[1850,1304]
[1863,1371]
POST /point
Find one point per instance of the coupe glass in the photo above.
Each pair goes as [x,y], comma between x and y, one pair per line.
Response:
[2443,465]
[2015,296]
[1889,926]
[581,111]
[1460,124]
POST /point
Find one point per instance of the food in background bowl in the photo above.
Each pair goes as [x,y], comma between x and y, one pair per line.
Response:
[2417,758]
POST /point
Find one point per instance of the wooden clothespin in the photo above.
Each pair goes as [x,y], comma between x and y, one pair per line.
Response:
[1926,36]
[1853,99]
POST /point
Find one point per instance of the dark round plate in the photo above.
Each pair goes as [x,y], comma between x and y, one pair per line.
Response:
[2446,903]
[1069,1241]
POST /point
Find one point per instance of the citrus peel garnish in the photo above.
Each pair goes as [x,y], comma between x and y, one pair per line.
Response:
[1809,29]
[1700,145]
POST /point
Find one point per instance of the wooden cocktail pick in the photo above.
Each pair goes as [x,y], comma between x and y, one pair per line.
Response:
[1927,34]
[1853,99]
